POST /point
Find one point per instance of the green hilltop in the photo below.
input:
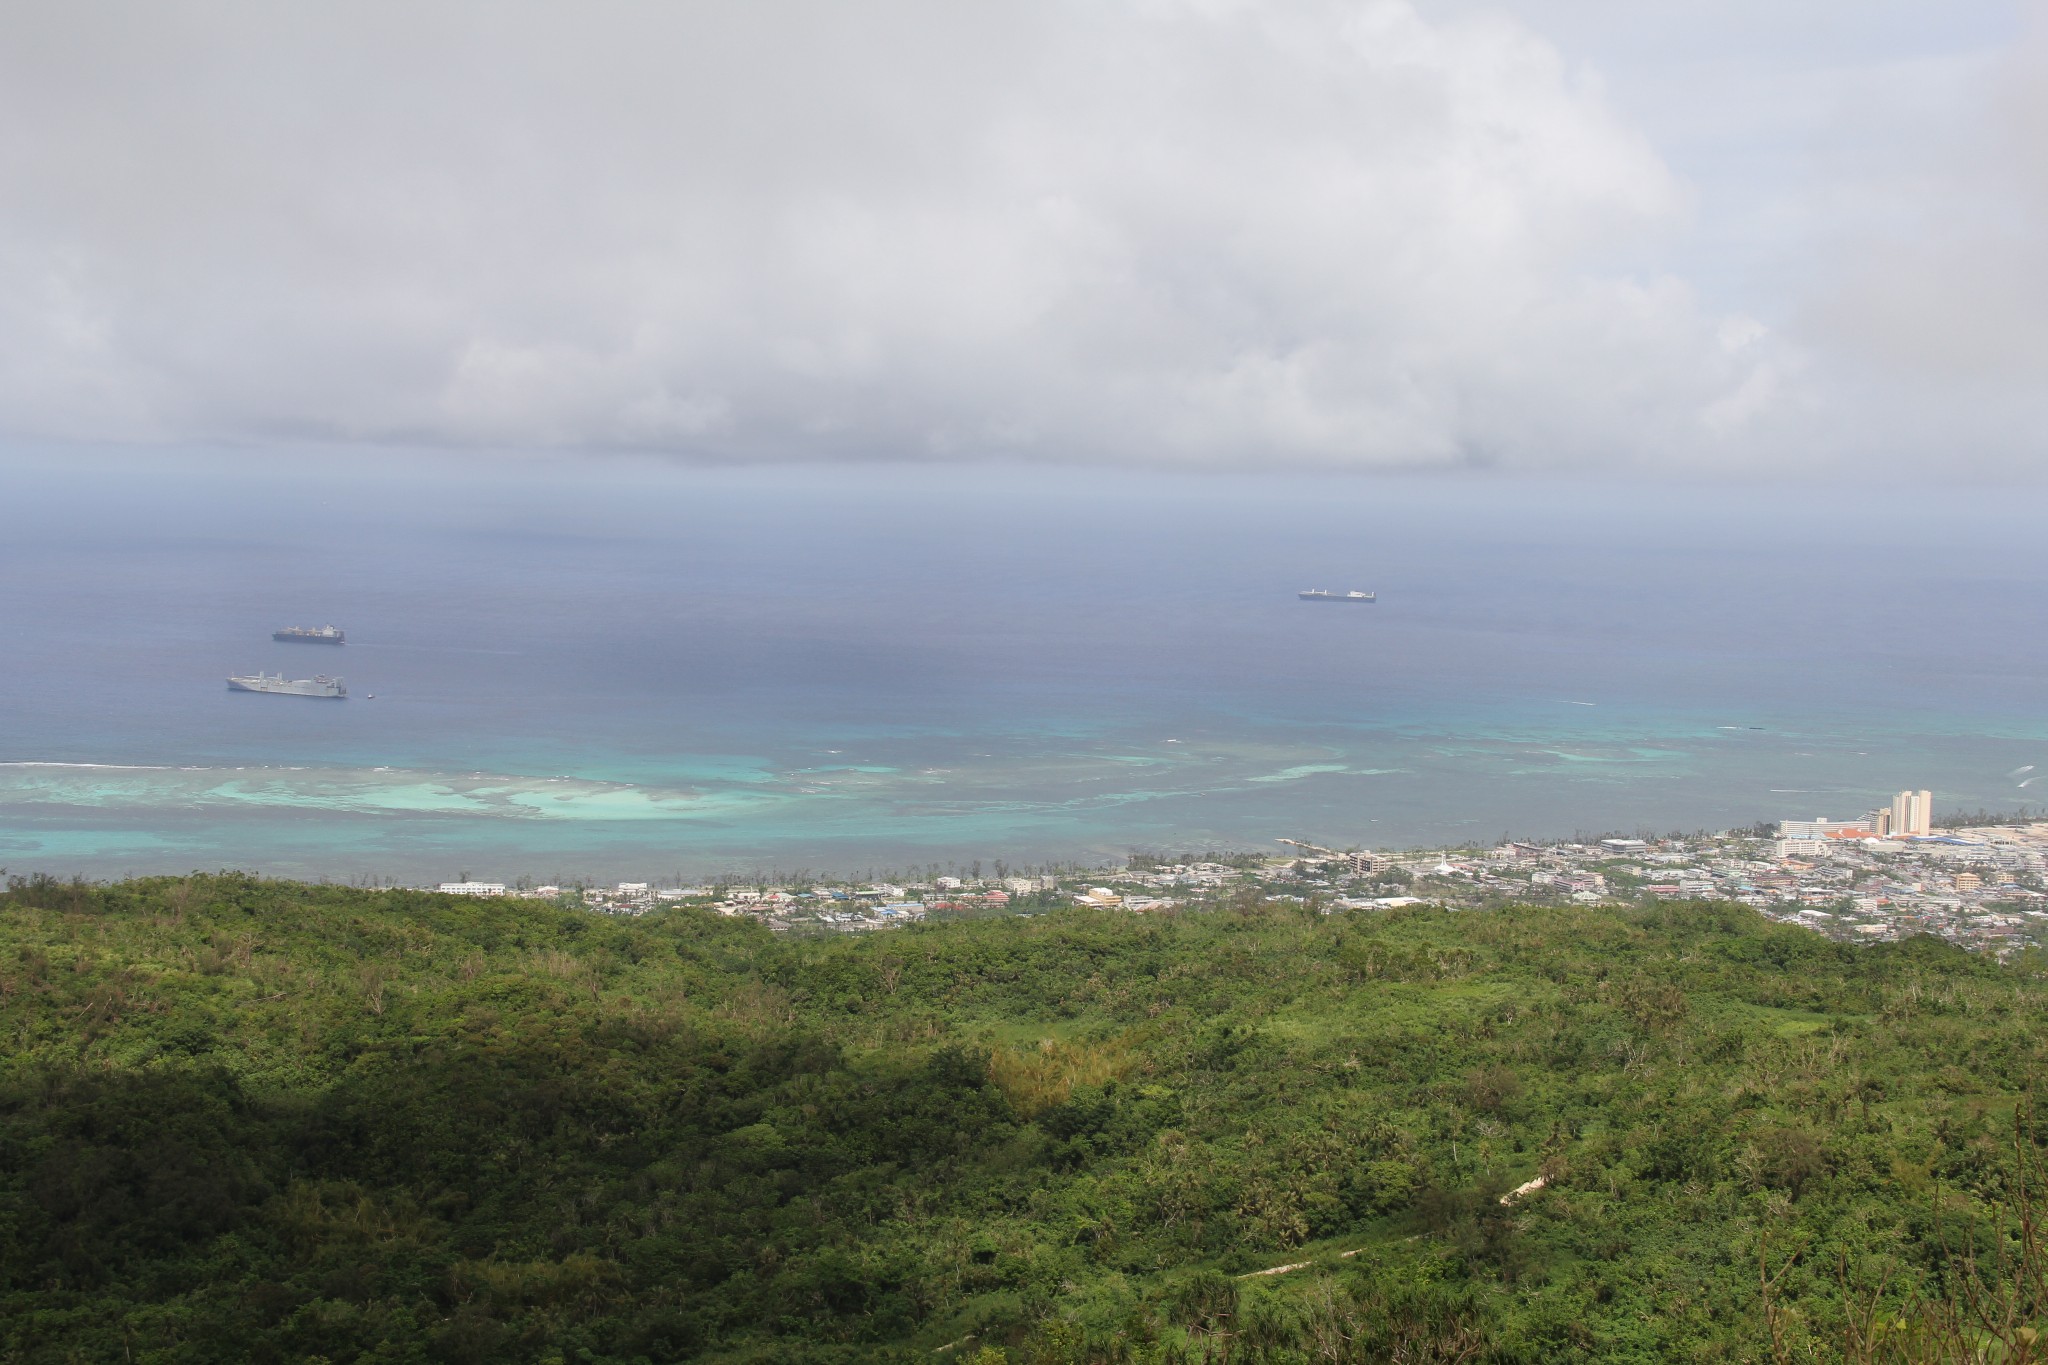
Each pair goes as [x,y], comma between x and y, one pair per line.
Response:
[264,1121]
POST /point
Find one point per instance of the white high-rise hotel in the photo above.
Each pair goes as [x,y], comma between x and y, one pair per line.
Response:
[1910,813]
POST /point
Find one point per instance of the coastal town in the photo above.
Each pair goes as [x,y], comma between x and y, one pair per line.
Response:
[1890,876]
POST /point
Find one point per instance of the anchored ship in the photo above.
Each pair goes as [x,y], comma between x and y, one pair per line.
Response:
[1325,595]
[320,686]
[311,635]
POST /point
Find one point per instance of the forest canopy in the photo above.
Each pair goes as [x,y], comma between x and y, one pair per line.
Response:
[253,1120]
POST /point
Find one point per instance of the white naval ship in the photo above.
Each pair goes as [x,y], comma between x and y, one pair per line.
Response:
[1325,595]
[319,686]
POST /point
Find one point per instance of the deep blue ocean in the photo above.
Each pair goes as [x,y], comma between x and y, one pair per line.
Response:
[610,669]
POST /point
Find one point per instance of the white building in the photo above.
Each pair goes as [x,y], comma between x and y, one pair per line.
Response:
[472,888]
[1912,813]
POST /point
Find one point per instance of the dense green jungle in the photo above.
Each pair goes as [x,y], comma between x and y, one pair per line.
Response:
[253,1120]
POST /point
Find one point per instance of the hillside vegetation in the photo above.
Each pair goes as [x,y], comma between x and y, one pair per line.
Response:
[251,1120]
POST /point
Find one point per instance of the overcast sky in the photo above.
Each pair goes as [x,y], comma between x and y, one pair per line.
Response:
[1627,235]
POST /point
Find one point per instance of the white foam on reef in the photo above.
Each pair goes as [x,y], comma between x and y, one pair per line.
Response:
[371,791]
[116,767]
[1299,771]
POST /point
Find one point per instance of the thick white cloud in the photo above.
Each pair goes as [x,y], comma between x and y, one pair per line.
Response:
[1191,231]
[1937,291]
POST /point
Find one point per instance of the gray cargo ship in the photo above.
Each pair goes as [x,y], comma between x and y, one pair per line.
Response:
[1325,595]
[311,635]
[280,685]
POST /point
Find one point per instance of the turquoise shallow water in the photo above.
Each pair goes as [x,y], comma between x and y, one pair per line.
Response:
[643,673]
